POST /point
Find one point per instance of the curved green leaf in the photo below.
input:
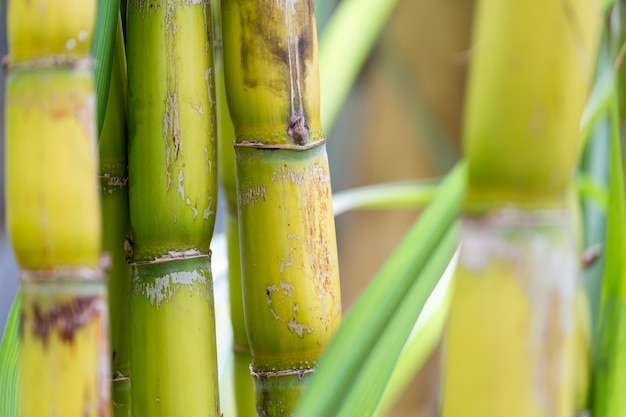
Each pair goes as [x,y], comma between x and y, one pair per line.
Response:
[9,362]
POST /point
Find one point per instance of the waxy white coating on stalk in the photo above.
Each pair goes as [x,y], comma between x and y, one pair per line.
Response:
[164,288]
[289,291]
[545,266]
[253,195]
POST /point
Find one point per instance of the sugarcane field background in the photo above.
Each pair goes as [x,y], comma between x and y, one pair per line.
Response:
[313,208]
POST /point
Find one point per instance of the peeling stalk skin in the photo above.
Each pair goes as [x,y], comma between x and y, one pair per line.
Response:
[511,330]
[173,322]
[173,192]
[64,352]
[116,229]
[172,144]
[526,93]
[55,28]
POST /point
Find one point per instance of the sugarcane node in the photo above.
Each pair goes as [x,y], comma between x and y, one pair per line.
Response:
[62,274]
[269,146]
[69,62]
[298,130]
[114,181]
[261,375]
[174,256]
[66,318]
[515,216]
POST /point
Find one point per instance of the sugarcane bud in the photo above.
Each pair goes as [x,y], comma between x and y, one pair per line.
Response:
[298,129]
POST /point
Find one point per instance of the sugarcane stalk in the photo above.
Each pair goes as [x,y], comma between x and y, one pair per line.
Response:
[512,330]
[243,386]
[172,193]
[53,212]
[116,226]
[288,250]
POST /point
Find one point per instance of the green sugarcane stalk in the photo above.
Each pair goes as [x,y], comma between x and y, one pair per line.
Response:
[243,387]
[53,211]
[116,226]
[513,331]
[173,185]
[287,236]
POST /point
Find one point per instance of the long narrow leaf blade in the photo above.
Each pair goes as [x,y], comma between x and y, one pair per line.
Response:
[610,360]
[341,58]
[412,194]
[9,362]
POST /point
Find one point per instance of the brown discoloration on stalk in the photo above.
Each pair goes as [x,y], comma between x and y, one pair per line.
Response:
[65,318]
[281,32]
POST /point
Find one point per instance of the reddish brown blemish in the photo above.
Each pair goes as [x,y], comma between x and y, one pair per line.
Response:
[66,318]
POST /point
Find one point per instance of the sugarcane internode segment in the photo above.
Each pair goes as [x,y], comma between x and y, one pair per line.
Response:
[511,327]
[43,28]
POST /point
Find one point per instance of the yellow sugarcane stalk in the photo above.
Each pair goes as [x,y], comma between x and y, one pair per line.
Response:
[53,212]
[512,329]
[287,235]
[242,380]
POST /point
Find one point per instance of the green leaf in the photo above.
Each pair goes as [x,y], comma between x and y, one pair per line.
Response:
[591,190]
[103,50]
[423,340]
[406,194]
[356,366]
[9,362]
[610,358]
[344,46]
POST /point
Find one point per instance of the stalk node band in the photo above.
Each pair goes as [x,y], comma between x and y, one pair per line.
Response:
[58,61]
[173,256]
[114,181]
[62,274]
[261,145]
[514,216]
[261,375]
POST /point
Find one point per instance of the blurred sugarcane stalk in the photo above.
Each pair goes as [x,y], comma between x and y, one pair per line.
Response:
[243,387]
[173,192]
[287,235]
[116,226]
[512,327]
[53,210]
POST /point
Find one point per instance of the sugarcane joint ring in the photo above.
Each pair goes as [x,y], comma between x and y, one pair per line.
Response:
[62,274]
[261,375]
[57,61]
[173,256]
[261,145]
[509,216]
